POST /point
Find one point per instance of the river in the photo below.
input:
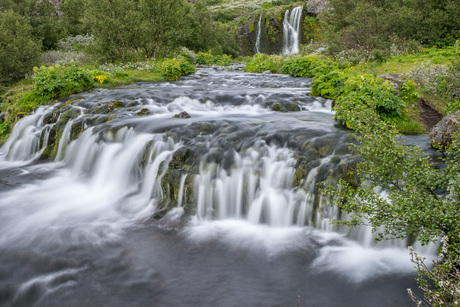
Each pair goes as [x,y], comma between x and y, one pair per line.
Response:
[141,208]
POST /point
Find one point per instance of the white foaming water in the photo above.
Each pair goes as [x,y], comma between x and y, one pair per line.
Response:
[104,189]
[65,138]
[239,234]
[291,30]
[335,253]
[259,34]
[208,108]
[258,188]
[45,285]
[24,142]
[358,263]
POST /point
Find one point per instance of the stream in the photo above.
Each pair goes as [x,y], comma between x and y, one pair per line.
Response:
[115,197]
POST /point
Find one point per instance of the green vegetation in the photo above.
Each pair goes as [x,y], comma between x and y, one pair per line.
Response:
[356,84]
[382,27]
[90,43]
[421,201]
[41,16]
[105,43]
[19,51]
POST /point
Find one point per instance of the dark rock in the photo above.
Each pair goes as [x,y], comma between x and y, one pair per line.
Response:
[285,106]
[441,134]
[182,114]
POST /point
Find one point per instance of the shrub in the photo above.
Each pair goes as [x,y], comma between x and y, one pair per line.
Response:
[4,130]
[204,58]
[172,69]
[59,81]
[366,91]
[19,52]
[53,57]
[76,42]
[262,62]
[329,85]
[297,67]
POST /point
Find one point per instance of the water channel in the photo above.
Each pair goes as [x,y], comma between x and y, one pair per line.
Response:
[144,205]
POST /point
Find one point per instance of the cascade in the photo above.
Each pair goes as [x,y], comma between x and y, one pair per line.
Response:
[137,205]
[258,35]
[291,30]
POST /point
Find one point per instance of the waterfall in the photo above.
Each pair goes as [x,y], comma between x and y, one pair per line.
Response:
[291,30]
[258,35]
[96,199]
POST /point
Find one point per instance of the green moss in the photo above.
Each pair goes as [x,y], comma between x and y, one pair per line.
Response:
[143,111]
[251,27]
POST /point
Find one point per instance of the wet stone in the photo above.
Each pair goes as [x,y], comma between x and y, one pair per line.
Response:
[182,114]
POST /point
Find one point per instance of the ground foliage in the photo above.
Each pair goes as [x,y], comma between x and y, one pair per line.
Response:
[380,25]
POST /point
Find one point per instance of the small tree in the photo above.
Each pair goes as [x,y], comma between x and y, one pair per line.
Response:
[422,200]
[127,28]
[19,52]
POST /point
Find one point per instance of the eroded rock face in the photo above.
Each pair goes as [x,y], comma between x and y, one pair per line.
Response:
[441,134]
[315,7]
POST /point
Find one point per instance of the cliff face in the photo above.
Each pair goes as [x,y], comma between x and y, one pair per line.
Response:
[271,35]
[271,30]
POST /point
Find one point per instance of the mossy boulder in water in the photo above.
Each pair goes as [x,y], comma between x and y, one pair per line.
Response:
[182,114]
[143,111]
[285,107]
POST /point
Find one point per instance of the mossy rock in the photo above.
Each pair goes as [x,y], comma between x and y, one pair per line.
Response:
[67,114]
[143,111]
[183,158]
[51,118]
[170,186]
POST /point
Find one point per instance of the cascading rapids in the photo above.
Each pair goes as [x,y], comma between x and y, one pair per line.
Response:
[107,199]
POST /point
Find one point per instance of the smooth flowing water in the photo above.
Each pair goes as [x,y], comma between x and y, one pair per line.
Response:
[141,208]
[291,30]
[259,35]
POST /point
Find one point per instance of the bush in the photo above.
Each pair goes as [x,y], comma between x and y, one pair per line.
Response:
[172,69]
[367,91]
[204,58]
[19,52]
[59,81]
[262,62]
[53,57]
[4,130]
[329,85]
[297,67]
[125,29]
[391,25]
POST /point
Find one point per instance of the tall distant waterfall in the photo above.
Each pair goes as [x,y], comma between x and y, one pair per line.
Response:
[291,30]
[258,35]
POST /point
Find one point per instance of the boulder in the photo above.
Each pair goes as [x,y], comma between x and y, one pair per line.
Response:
[182,114]
[441,134]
